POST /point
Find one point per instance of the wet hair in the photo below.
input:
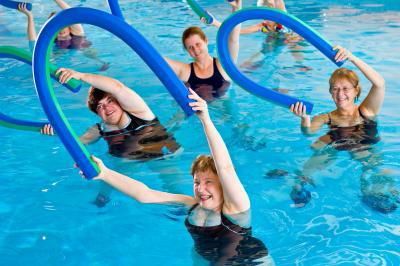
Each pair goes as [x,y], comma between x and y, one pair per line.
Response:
[94,97]
[193,31]
[347,74]
[203,163]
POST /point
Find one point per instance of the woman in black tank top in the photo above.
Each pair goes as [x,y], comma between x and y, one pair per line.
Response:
[352,128]
[206,75]
[209,88]
[219,216]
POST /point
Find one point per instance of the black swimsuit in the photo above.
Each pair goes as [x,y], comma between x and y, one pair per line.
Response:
[140,140]
[76,42]
[227,243]
[353,137]
[209,88]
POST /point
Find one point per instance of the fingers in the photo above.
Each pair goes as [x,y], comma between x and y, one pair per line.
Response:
[65,75]
[198,104]
[299,109]
[22,7]
[342,54]
[47,130]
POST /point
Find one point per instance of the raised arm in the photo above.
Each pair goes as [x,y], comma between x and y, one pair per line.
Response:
[31,31]
[138,190]
[236,199]
[372,104]
[76,29]
[235,34]
[280,4]
[129,100]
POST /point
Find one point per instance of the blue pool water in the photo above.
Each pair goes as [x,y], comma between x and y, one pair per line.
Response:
[46,215]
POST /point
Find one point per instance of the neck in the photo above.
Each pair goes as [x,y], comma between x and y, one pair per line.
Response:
[204,62]
[347,111]
[124,121]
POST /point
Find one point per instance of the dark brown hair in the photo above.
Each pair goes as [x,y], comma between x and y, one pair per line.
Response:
[94,97]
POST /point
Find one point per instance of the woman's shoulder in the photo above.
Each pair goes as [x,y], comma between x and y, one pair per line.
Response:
[243,219]
[322,118]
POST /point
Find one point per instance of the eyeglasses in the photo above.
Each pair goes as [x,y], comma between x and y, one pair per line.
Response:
[107,101]
[335,90]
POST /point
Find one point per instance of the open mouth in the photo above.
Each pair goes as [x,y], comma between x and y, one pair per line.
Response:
[205,197]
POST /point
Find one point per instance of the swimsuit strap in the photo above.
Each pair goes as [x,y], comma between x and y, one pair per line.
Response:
[330,119]
[361,114]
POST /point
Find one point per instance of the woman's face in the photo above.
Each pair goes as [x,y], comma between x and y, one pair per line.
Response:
[208,190]
[196,46]
[343,93]
[109,110]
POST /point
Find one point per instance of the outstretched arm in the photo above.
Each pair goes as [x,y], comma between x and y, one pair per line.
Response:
[179,68]
[236,199]
[235,34]
[31,31]
[76,29]
[252,29]
[138,190]
[90,136]
[129,100]
[372,104]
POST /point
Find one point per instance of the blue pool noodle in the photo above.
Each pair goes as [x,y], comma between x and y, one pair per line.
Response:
[123,31]
[19,122]
[115,9]
[14,5]
[26,123]
[280,17]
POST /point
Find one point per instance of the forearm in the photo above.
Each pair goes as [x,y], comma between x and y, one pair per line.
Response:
[234,37]
[235,196]
[103,83]
[305,125]
[251,29]
[217,145]
[374,77]
[77,29]
[142,193]
[62,4]
[126,185]
[31,31]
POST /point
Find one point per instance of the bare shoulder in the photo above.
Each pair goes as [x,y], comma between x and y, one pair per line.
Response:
[222,71]
[321,119]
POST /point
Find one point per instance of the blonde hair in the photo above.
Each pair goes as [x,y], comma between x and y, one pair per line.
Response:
[203,163]
[347,74]
[193,31]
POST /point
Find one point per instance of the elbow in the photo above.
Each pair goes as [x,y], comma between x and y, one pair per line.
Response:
[381,83]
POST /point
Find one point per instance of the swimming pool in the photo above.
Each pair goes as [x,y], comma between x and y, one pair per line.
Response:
[46,213]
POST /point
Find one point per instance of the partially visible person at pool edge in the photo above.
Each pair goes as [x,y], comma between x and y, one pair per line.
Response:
[127,123]
[219,219]
[205,75]
[71,37]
